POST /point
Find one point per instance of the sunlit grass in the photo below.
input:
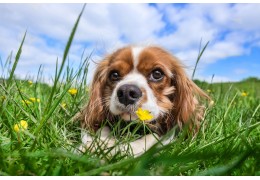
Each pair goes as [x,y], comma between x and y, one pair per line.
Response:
[228,142]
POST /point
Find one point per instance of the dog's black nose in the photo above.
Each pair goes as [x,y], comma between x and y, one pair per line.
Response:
[128,94]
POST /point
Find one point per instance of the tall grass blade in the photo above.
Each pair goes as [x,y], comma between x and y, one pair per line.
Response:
[59,74]
[198,58]
[17,57]
[66,51]
[224,169]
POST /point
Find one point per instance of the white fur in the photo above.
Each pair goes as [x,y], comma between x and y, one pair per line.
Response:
[101,142]
[107,143]
[135,53]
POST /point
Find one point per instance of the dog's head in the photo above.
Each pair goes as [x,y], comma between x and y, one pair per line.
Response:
[142,77]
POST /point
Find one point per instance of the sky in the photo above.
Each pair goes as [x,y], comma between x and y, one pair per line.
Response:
[233,32]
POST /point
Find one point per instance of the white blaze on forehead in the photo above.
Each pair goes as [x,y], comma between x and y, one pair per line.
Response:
[136,51]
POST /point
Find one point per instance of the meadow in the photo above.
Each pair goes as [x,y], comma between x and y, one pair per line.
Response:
[38,135]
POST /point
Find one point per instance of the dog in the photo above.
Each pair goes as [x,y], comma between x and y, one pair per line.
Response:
[146,77]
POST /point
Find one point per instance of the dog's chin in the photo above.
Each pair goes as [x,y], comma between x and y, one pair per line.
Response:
[128,116]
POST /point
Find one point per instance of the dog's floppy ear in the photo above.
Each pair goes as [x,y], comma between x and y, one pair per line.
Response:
[94,113]
[188,108]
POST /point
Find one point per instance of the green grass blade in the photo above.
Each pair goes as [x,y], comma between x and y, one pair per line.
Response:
[224,169]
[17,57]
[44,119]
[198,59]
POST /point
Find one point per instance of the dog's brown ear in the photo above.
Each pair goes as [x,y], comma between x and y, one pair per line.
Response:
[93,113]
[188,108]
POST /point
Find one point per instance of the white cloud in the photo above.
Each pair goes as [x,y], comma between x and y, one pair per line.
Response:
[105,27]
[215,79]
[222,49]
[245,15]
[101,28]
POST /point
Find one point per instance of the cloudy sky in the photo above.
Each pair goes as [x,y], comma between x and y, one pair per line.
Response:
[233,31]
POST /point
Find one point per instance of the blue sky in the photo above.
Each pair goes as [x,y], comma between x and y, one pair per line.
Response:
[233,31]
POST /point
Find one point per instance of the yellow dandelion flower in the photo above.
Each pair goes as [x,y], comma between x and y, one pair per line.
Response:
[24,124]
[21,126]
[211,103]
[16,128]
[143,115]
[30,82]
[244,94]
[73,91]
[26,102]
[63,105]
[209,91]
[32,99]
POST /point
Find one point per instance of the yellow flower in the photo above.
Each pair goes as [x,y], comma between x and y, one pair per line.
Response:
[32,99]
[244,94]
[22,125]
[30,82]
[26,102]
[63,105]
[73,91]
[16,128]
[143,115]
[211,103]
[208,90]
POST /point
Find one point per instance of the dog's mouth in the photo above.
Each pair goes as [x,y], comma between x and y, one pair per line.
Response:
[131,113]
[128,113]
[128,116]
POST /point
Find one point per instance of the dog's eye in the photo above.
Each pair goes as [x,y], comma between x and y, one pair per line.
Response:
[114,76]
[156,75]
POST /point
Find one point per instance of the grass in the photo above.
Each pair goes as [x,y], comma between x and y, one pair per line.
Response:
[228,142]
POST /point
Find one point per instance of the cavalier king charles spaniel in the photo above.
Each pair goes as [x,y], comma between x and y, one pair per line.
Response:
[135,77]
